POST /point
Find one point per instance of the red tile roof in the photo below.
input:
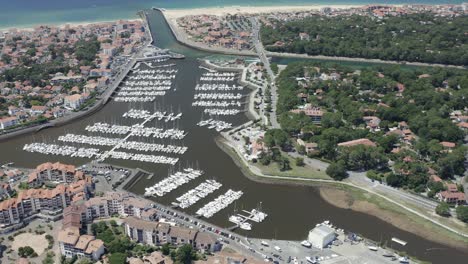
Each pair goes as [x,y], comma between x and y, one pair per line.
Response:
[361,141]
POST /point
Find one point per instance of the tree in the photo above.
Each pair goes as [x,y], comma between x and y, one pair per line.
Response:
[276,137]
[184,254]
[274,68]
[84,261]
[337,170]
[301,149]
[443,209]
[166,249]
[113,223]
[119,245]
[373,175]
[284,164]
[434,187]
[6,58]
[452,164]
[395,180]
[300,162]
[49,259]
[26,251]
[118,258]
[462,213]
[362,157]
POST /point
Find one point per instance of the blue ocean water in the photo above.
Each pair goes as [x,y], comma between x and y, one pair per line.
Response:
[25,13]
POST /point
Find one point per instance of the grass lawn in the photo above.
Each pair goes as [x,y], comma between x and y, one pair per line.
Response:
[386,205]
[295,171]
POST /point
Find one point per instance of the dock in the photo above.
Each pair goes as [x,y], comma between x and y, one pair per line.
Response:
[254,215]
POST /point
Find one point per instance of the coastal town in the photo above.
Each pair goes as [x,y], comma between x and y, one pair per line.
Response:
[232,29]
[380,144]
[51,72]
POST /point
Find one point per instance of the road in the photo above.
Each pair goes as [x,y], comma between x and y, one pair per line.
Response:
[266,63]
[357,180]
[360,179]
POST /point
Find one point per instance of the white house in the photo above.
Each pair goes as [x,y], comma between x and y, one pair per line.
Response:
[73,101]
[321,236]
[8,122]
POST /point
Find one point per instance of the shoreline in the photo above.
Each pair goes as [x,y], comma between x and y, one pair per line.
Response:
[64,24]
[249,7]
[183,38]
[254,9]
[344,199]
[408,213]
[101,101]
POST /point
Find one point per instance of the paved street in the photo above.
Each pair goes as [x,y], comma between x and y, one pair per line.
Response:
[266,63]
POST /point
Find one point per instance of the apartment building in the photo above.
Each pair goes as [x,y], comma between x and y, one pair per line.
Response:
[156,233]
[113,203]
[44,201]
[54,172]
[72,244]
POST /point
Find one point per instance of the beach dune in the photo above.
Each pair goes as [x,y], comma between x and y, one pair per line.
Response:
[219,11]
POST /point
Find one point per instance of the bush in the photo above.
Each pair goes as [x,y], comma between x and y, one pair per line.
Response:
[300,162]
[373,175]
[337,171]
[166,249]
[117,258]
[283,164]
[49,259]
[26,251]
[51,241]
[462,213]
[443,209]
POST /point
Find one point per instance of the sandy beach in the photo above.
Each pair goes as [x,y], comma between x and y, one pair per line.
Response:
[219,11]
[62,25]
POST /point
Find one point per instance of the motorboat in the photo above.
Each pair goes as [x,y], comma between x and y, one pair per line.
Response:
[306,244]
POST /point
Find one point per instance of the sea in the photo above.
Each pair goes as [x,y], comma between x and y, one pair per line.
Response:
[28,13]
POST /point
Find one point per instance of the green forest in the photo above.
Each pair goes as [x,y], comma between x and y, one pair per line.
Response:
[413,38]
[425,105]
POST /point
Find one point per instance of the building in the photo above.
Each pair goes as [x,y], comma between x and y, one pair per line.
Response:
[5,191]
[356,142]
[60,78]
[155,257]
[71,244]
[113,203]
[314,113]
[155,233]
[54,172]
[47,202]
[146,232]
[74,101]
[8,122]
[310,147]
[452,195]
[304,36]
[321,236]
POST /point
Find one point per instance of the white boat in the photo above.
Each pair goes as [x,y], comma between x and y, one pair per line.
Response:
[373,248]
[245,226]
[235,219]
[306,244]
[403,260]
[399,241]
